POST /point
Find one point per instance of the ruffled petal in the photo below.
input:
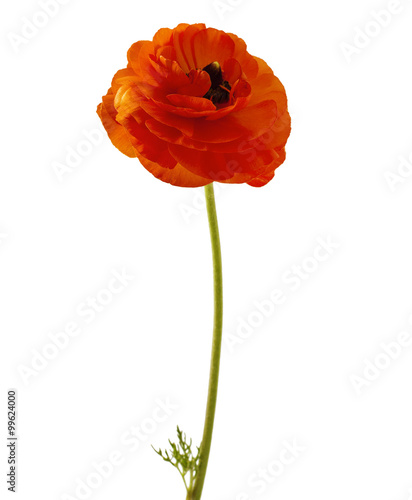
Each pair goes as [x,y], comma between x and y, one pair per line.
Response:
[115,131]
[125,76]
[249,65]
[267,86]
[249,122]
[263,178]
[197,85]
[133,55]
[273,138]
[211,45]
[183,52]
[162,37]
[191,102]
[222,166]
[232,70]
[144,142]
[185,40]
[177,176]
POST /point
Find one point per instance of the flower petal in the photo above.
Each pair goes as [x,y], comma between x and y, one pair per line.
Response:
[247,61]
[195,103]
[267,86]
[177,176]
[211,45]
[263,178]
[222,166]
[248,123]
[162,37]
[115,131]
[144,142]
[133,55]
[185,39]
[232,70]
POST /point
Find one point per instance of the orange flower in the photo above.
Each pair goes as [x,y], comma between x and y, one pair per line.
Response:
[195,107]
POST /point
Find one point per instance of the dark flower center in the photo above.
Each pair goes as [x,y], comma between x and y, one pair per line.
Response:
[220,89]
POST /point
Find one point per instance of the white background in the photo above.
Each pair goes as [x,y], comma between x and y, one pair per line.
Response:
[292,378]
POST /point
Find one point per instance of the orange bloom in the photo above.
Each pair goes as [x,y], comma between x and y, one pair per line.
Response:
[195,107]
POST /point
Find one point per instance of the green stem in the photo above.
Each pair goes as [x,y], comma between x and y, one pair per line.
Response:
[216,344]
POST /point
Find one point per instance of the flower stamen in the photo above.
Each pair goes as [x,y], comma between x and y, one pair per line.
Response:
[219,92]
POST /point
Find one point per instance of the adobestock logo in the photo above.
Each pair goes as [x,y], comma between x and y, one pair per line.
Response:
[87,311]
[130,441]
[293,277]
[363,36]
[222,7]
[373,368]
[198,203]
[96,304]
[403,172]
[3,238]
[30,28]
[265,476]
[76,155]
[275,468]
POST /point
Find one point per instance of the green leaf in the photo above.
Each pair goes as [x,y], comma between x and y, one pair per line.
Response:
[181,457]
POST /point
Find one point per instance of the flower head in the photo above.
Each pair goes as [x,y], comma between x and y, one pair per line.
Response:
[195,107]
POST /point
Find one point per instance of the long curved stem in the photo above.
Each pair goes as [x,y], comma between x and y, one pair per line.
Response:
[216,344]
